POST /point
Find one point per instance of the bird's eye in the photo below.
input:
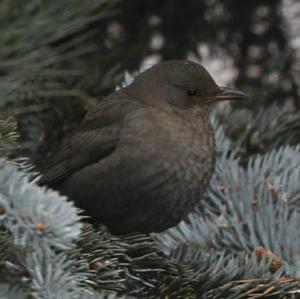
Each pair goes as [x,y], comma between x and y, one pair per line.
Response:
[192,92]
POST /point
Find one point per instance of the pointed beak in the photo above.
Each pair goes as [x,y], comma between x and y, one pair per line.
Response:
[227,93]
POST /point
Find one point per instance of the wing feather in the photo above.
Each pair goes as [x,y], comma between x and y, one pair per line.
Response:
[95,139]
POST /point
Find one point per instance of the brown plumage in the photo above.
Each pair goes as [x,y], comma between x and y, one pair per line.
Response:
[143,157]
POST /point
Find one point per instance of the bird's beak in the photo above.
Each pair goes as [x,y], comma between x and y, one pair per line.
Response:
[227,93]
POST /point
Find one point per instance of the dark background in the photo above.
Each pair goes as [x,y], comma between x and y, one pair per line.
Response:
[256,35]
[252,45]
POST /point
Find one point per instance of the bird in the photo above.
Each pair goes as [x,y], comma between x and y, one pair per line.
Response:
[143,157]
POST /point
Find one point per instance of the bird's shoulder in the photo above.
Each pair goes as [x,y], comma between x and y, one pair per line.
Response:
[111,110]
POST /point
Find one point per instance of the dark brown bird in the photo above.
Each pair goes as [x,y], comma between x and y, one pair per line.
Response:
[142,159]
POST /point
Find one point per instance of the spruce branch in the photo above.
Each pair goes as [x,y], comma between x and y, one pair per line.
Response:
[7,292]
[51,275]
[40,46]
[254,132]
[33,214]
[8,136]
[222,275]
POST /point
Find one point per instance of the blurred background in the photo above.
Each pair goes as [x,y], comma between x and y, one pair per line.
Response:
[57,59]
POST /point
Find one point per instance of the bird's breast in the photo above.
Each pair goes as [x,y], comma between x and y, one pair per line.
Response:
[173,153]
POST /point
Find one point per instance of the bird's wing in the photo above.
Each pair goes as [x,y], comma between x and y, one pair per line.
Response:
[77,151]
[95,139]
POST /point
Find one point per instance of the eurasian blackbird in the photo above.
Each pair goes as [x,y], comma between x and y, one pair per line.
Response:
[143,157]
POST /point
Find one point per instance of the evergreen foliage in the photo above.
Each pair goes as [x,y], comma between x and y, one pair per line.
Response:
[260,131]
[9,136]
[40,46]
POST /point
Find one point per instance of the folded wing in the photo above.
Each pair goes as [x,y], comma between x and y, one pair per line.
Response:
[95,139]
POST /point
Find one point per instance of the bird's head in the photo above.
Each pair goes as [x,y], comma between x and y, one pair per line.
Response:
[183,84]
